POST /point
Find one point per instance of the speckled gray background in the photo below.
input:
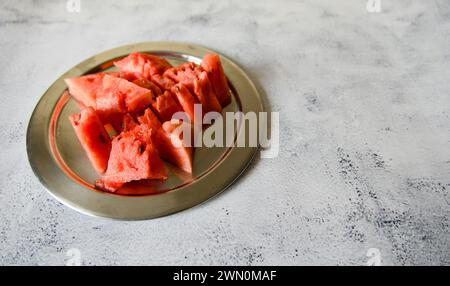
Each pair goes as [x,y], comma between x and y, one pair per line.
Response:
[365,133]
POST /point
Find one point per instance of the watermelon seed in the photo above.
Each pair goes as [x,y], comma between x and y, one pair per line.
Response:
[102,139]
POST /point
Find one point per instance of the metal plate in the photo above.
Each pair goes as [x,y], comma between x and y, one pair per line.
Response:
[59,162]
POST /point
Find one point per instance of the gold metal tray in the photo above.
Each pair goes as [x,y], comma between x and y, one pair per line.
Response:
[61,165]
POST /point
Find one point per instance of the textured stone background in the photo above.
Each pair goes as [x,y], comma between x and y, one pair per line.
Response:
[365,133]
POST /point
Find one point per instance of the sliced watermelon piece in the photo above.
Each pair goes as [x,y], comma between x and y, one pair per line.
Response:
[170,146]
[93,137]
[124,93]
[197,81]
[165,106]
[85,88]
[110,106]
[109,100]
[184,73]
[205,94]
[132,158]
[186,99]
[143,65]
[212,65]
[150,119]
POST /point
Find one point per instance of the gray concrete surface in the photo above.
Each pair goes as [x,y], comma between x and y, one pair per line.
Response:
[365,133]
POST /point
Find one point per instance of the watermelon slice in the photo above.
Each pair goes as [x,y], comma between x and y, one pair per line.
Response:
[186,99]
[143,65]
[85,88]
[132,158]
[197,81]
[162,136]
[119,95]
[184,73]
[93,137]
[150,119]
[109,100]
[212,65]
[110,106]
[171,148]
[205,93]
[165,106]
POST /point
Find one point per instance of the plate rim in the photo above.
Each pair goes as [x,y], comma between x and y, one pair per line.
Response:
[110,210]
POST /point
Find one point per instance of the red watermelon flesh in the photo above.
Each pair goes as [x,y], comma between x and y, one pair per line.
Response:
[85,88]
[186,99]
[148,86]
[198,83]
[165,106]
[163,82]
[110,101]
[128,76]
[150,119]
[167,142]
[184,73]
[162,136]
[143,65]
[110,106]
[123,92]
[205,93]
[93,137]
[128,123]
[145,83]
[132,158]
[212,65]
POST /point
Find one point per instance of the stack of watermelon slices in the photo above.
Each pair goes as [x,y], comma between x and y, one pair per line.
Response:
[125,124]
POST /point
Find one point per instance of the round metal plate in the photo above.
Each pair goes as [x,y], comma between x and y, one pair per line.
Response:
[59,162]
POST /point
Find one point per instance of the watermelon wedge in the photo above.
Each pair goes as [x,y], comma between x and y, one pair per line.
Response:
[205,94]
[186,99]
[143,65]
[93,137]
[162,136]
[132,158]
[118,93]
[110,107]
[85,88]
[165,106]
[197,81]
[171,148]
[150,119]
[212,65]
[184,73]
[109,100]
